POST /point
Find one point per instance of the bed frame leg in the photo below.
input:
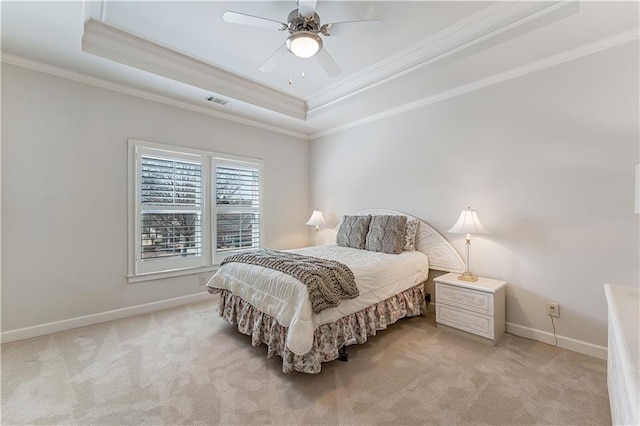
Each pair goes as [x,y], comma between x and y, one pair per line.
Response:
[342,354]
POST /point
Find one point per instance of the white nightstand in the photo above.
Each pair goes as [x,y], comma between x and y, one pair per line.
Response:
[475,307]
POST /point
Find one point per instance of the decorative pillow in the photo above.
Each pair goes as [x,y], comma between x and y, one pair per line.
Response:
[386,234]
[353,231]
[410,235]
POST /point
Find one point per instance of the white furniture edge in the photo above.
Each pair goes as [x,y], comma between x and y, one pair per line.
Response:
[623,375]
[479,285]
[71,323]
[623,314]
[442,256]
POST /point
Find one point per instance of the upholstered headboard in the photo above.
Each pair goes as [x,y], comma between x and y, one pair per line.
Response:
[442,256]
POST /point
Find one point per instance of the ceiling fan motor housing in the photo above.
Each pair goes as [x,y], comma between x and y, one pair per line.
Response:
[298,22]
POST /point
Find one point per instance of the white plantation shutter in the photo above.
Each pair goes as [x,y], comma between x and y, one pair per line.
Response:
[237,206]
[170,210]
[170,182]
[189,209]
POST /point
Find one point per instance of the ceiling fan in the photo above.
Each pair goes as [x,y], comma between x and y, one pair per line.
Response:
[304,28]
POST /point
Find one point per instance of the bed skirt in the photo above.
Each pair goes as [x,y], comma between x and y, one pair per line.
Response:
[328,338]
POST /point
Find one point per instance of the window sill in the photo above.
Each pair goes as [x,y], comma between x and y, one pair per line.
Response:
[170,274]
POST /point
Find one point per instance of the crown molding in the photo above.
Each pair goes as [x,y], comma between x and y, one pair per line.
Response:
[548,62]
[112,43]
[490,23]
[22,62]
[569,55]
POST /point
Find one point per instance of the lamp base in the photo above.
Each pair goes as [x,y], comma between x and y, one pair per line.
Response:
[467,276]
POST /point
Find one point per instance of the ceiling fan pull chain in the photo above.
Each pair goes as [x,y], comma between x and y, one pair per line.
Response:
[290,81]
[303,61]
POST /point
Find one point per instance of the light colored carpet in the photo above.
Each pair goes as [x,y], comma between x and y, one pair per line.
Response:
[187,366]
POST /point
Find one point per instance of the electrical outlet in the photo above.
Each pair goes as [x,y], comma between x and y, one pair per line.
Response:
[553,309]
[202,280]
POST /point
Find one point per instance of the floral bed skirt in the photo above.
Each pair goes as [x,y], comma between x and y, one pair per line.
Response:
[328,338]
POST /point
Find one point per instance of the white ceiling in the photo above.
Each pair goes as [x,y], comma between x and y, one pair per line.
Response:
[426,51]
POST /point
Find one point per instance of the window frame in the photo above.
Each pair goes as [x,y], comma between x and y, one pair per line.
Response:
[209,259]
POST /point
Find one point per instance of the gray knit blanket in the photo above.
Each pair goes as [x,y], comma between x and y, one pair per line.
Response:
[328,281]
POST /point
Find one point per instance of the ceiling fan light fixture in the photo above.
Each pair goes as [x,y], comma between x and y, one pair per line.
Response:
[304,44]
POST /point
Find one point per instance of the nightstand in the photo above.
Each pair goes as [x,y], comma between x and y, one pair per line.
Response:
[475,307]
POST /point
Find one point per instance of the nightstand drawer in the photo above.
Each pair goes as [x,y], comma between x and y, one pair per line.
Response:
[472,300]
[479,324]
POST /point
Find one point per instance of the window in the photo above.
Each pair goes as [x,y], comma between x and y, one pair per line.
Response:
[177,225]
[237,206]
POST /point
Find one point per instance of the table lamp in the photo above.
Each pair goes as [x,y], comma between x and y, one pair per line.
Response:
[468,223]
[316,220]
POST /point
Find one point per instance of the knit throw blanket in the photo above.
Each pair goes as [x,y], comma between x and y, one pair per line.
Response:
[328,281]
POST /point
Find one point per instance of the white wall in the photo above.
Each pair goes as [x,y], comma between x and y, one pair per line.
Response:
[546,159]
[64,193]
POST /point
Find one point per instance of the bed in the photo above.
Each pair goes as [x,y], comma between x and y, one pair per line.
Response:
[274,308]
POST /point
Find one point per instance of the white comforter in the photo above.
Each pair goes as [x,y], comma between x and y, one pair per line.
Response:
[378,276]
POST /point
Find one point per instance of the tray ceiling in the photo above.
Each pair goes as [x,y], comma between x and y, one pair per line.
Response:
[185,52]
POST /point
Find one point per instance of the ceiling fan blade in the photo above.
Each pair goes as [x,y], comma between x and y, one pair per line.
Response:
[370,27]
[253,21]
[273,60]
[327,63]
[307,7]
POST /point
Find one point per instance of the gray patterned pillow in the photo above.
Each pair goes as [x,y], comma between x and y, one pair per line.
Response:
[410,235]
[353,231]
[386,234]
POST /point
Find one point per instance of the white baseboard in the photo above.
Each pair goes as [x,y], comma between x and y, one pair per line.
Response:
[68,324]
[546,337]
[563,342]
[57,326]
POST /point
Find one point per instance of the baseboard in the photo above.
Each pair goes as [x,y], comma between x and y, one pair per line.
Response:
[563,342]
[57,326]
[68,324]
[546,337]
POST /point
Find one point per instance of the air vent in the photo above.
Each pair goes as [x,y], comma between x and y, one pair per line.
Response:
[216,100]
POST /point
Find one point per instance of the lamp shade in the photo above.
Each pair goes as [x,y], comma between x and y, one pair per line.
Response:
[468,223]
[316,218]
